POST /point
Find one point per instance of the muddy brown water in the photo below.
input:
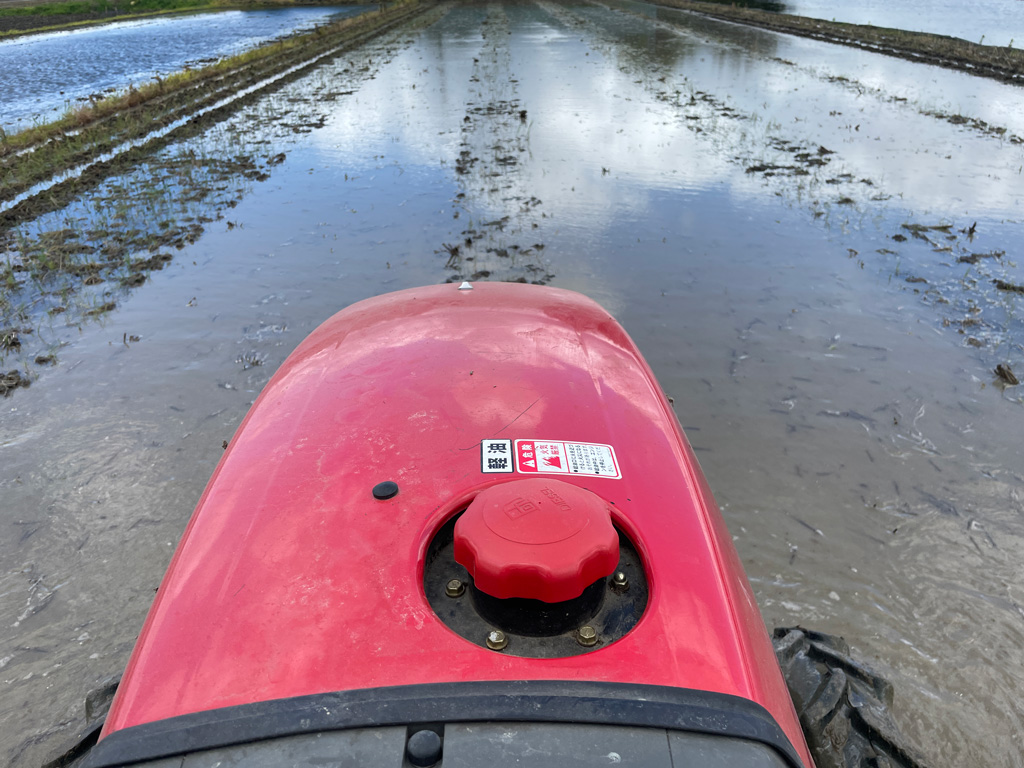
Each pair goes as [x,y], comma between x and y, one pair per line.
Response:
[777,223]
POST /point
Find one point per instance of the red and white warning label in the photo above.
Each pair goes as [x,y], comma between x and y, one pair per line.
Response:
[564,458]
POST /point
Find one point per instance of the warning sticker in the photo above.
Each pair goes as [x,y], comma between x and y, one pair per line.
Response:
[496,456]
[564,458]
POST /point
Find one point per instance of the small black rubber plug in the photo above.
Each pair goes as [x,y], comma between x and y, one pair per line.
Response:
[424,748]
[385,490]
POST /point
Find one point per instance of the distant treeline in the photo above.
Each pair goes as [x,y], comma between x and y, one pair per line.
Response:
[761,5]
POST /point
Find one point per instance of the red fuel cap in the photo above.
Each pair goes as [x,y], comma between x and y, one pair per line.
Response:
[537,538]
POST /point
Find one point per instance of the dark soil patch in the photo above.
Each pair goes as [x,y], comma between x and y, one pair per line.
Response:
[1003,285]
[1006,375]
[153,262]
[974,258]
[108,306]
[10,381]
[10,338]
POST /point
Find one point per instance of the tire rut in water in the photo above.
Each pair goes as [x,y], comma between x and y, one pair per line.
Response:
[495,136]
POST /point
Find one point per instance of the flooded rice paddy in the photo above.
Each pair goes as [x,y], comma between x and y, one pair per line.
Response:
[41,76]
[994,22]
[816,248]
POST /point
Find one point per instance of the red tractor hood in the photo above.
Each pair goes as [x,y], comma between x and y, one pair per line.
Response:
[299,573]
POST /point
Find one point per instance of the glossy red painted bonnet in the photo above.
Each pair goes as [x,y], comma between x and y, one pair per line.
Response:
[293,579]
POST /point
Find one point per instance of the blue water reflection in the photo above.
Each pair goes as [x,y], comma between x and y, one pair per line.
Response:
[41,75]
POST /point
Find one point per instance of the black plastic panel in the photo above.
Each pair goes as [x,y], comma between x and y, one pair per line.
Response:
[476,745]
[256,727]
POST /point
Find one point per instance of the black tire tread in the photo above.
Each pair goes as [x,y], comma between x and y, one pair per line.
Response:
[845,707]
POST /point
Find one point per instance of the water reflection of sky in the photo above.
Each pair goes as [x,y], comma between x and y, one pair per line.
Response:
[784,88]
[40,75]
[630,172]
[998,21]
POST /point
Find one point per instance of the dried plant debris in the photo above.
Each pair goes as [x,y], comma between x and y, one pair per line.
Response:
[974,258]
[10,381]
[1006,375]
[1003,285]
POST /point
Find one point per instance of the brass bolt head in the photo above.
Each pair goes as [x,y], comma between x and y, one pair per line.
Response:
[586,636]
[619,582]
[454,588]
[496,640]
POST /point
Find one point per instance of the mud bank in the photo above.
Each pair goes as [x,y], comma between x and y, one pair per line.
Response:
[1000,63]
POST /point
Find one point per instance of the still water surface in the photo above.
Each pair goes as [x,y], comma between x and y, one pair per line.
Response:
[43,75]
[736,198]
[991,22]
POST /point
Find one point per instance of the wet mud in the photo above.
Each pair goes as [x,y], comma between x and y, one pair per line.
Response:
[819,265]
[493,142]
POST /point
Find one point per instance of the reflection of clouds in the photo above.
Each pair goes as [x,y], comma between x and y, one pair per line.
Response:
[587,113]
[573,130]
[931,164]
[924,87]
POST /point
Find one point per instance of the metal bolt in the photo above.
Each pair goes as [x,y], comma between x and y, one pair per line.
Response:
[619,582]
[454,588]
[586,636]
[496,640]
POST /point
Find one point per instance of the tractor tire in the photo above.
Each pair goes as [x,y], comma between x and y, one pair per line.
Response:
[845,707]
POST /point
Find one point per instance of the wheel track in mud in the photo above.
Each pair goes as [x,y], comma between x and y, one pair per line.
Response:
[494,143]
